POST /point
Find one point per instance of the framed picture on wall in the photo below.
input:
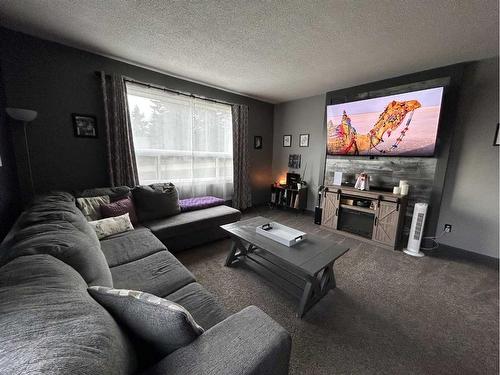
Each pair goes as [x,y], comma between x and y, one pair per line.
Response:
[84,126]
[257,142]
[294,161]
[287,140]
[496,141]
[304,140]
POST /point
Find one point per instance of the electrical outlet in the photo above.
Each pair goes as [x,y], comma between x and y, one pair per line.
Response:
[447,228]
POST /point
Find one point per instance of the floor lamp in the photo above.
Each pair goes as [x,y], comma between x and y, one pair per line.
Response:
[25,116]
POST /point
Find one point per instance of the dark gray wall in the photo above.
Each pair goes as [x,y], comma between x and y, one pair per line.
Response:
[470,196]
[9,189]
[302,116]
[56,81]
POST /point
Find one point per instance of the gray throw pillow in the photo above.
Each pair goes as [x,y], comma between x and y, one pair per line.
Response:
[156,201]
[165,325]
[91,206]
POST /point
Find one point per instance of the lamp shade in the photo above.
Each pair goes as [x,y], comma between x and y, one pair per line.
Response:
[25,115]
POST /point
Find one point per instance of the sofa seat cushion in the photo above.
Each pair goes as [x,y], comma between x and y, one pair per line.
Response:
[159,274]
[129,246]
[188,223]
[49,324]
[201,304]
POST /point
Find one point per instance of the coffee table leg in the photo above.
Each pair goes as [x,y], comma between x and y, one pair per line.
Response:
[238,249]
[231,257]
[315,289]
[304,300]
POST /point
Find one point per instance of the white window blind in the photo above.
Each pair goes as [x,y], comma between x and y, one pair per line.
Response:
[183,140]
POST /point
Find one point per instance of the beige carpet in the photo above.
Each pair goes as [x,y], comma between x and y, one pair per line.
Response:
[390,313]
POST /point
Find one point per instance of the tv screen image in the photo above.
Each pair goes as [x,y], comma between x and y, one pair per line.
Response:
[396,125]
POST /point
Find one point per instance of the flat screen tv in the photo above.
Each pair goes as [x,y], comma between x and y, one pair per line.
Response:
[396,125]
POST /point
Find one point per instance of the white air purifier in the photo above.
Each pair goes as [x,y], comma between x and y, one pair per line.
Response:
[417,230]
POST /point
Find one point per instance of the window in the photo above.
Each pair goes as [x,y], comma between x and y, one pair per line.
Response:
[183,140]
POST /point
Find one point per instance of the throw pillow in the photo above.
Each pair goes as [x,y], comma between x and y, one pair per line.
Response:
[118,208]
[91,206]
[112,225]
[166,325]
[156,201]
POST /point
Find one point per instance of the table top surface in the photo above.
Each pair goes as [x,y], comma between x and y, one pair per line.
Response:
[310,255]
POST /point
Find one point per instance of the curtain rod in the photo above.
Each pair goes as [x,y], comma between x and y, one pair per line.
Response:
[158,87]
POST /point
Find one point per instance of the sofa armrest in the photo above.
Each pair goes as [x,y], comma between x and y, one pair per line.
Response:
[246,343]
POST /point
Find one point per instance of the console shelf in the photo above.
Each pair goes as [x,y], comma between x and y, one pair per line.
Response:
[357,208]
[371,216]
[285,197]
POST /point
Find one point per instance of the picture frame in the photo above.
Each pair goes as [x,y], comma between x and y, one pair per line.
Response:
[294,161]
[496,140]
[304,140]
[257,142]
[84,126]
[287,140]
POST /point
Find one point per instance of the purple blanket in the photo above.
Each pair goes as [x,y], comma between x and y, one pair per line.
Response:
[192,204]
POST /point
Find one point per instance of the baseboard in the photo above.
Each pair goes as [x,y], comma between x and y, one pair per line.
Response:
[454,253]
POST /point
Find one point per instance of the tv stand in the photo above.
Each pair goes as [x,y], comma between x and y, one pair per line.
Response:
[372,216]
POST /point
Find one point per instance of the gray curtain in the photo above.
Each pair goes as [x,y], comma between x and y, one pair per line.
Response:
[122,166]
[242,196]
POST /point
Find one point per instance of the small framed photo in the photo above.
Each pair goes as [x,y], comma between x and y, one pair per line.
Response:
[304,140]
[84,125]
[287,140]
[496,141]
[294,161]
[257,142]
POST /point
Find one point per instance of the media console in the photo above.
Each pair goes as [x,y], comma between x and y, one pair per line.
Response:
[371,216]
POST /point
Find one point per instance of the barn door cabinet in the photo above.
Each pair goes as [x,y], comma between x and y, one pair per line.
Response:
[371,216]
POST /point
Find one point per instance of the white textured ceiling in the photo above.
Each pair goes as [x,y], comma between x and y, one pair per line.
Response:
[273,50]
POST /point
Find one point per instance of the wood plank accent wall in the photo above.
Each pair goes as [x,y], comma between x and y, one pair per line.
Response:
[387,172]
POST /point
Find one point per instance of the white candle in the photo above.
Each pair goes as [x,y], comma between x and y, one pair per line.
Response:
[403,182]
[404,189]
[396,190]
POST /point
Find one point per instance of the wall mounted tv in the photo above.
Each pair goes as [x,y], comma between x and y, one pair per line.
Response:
[404,124]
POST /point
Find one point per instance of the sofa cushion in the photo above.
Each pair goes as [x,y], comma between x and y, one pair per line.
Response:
[188,223]
[112,225]
[114,193]
[54,225]
[159,274]
[91,206]
[247,343]
[200,303]
[163,324]
[156,201]
[120,207]
[198,203]
[129,246]
[49,324]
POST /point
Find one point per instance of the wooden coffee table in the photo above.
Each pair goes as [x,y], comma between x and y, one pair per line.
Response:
[306,267]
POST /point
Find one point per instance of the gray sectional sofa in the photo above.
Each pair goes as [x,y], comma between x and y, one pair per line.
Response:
[49,324]
[176,231]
